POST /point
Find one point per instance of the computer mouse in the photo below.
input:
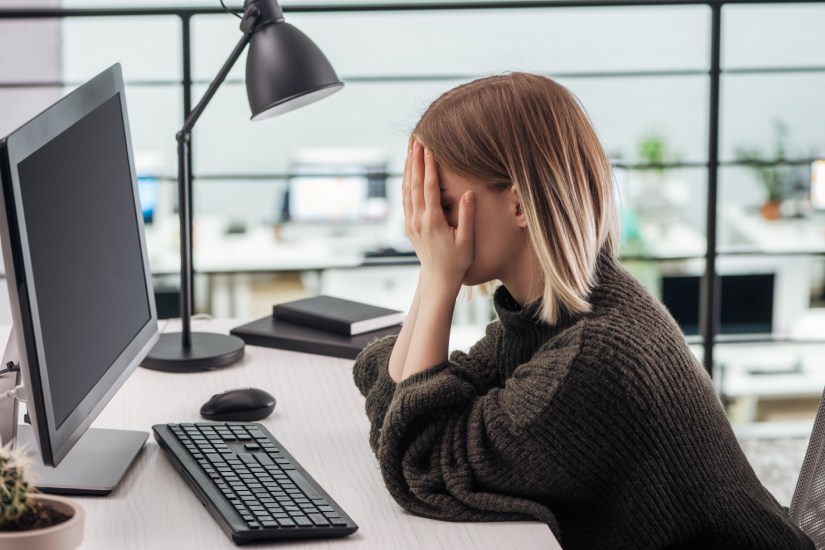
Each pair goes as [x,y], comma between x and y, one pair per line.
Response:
[240,405]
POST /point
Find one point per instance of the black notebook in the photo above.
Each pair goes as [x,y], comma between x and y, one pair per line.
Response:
[337,315]
[272,333]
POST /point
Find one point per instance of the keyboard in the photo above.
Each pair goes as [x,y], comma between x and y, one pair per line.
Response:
[251,485]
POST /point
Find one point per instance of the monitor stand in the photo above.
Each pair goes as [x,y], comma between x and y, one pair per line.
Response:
[94,466]
[96,463]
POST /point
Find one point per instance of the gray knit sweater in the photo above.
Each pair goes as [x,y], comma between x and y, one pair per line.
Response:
[604,426]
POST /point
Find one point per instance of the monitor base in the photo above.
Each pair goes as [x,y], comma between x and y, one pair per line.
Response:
[94,466]
[209,351]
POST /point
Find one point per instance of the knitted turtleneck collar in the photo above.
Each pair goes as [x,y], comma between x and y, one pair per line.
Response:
[518,319]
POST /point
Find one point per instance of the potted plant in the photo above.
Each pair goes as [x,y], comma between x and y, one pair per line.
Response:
[769,171]
[660,195]
[29,520]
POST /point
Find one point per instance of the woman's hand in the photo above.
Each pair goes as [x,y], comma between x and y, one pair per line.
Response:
[445,252]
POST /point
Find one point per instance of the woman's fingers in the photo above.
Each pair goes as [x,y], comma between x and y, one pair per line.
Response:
[466,215]
[416,179]
[405,182]
[405,185]
[432,192]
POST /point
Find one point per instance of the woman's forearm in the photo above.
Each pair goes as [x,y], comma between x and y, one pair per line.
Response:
[429,345]
[402,343]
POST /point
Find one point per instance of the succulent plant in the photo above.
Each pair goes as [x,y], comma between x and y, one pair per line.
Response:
[14,487]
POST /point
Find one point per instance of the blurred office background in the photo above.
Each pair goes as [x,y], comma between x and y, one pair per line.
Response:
[309,203]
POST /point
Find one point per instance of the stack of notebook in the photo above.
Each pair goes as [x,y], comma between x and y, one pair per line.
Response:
[323,325]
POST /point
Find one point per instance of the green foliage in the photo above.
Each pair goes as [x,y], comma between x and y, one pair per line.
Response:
[14,488]
[770,175]
[653,150]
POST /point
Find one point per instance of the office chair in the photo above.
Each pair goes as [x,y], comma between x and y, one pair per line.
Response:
[808,503]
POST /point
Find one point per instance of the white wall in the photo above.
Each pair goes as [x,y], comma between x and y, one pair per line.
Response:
[29,52]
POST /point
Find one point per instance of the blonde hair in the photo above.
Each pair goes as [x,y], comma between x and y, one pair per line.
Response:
[530,132]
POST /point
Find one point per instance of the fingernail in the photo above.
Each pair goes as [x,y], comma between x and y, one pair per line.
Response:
[416,145]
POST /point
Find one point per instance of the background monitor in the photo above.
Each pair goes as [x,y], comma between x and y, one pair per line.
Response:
[746,302]
[148,192]
[79,283]
[336,194]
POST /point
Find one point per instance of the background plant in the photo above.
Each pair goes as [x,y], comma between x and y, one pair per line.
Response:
[771,175]
[655,152]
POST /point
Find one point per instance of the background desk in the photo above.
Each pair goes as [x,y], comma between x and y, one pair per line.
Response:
[319,418]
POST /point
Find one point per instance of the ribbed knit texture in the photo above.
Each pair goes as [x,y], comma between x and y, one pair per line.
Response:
[604,426]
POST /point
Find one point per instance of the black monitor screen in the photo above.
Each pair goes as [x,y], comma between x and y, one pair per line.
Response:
[89,284]
[746,302]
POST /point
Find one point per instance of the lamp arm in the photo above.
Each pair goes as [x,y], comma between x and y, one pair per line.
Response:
[195,114]
[185,178]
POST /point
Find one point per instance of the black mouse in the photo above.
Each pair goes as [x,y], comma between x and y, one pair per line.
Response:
[241,405]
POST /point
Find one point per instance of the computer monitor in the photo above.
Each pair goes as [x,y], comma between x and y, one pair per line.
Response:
[148,192]
[336,194]
[746,302]
[79,283]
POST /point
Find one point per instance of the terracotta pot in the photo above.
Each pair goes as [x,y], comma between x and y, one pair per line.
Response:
[63,536]
[771,210]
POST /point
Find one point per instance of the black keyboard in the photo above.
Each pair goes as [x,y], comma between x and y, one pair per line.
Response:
[251,485]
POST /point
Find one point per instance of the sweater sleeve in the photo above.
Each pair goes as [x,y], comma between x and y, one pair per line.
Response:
[373,380]
[447,452]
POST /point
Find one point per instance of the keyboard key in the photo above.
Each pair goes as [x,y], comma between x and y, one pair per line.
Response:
[301,482]
[271,524]
[303,521]
[319,520]
[285,522]
[247,458]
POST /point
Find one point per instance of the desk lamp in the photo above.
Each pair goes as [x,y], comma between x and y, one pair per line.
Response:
[285,70]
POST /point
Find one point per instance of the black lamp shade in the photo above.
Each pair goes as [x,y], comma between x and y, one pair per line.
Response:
[285,70]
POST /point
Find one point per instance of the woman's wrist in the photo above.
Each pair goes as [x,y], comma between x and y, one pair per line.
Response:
[441,287]
[430,339]
[402,343]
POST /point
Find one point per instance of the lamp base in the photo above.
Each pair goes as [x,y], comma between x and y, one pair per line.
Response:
[209,351]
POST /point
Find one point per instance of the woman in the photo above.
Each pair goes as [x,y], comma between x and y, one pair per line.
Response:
[582,406]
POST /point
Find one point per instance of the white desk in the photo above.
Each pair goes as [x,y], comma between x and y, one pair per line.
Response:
[803,235]
[320,419]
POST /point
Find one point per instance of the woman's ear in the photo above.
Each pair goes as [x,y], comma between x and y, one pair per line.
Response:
[520,220]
